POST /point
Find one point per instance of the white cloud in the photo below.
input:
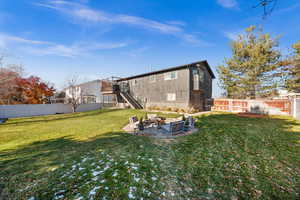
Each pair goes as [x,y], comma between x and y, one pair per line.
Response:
[195,41]
[137,52]
[233,35]
[41,48]
[228,3]
[5,38]
[84,13]
[176,23]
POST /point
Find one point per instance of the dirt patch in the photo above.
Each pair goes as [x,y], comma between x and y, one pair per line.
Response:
[252,115]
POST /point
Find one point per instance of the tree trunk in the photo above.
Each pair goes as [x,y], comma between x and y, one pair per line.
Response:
[253,92]
[73,108]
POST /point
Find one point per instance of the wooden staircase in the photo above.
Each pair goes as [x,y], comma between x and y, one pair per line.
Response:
[131,101]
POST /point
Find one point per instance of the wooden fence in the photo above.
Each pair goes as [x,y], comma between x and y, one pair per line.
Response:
[272,107]
[296,108]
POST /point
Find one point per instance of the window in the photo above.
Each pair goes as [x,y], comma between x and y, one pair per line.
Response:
[89,99]
[134,82]
[171,75]
[201,76]
[198,77]
[195,71]
[171,97]
[152,79]
[196,82]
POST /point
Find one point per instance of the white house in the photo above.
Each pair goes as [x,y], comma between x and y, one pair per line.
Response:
[88,92]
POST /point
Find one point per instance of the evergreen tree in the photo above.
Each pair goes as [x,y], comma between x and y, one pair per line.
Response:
[293,70]
[254,67]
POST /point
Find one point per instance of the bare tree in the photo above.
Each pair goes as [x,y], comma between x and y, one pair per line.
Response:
[267,5]
[73,93]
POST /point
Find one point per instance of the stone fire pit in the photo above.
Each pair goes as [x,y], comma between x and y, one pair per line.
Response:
[160,127]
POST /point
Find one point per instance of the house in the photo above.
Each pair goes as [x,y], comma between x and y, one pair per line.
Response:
[285,94]
[58,97]
[88,92]
[183,87]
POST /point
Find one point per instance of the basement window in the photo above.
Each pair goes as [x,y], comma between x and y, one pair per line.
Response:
[171,97]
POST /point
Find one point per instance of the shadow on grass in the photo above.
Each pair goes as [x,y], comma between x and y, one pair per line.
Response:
[222,135]
[54,151]
[57,117]
[33,161]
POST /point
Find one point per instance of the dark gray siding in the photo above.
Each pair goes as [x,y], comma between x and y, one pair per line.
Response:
[154,93]
[200,98]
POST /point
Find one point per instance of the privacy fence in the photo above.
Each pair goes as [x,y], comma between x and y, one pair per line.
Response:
[296,108]
[272,107]
[27,110]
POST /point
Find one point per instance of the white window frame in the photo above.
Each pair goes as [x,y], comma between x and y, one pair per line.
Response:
[196,83]
[134,82]
[152,78]
[201,75]
[171,96]
[168,75]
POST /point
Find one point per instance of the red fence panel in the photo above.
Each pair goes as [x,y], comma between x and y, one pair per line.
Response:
[274,107]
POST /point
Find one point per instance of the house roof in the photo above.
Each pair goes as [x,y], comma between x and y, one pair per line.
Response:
[204,62]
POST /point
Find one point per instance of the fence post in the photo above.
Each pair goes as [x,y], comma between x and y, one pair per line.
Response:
[295,107]
[230,105]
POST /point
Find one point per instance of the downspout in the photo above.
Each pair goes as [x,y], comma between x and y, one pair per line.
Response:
[189,86]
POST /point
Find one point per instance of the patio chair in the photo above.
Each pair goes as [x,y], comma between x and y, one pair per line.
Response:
[174,127]
[133,121]
[3,120]
[152,117]
[191,122]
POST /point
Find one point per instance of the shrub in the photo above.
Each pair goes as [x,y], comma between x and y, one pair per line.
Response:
[192,110]
[157,108]
[175,109]
[169,109]
[182,110]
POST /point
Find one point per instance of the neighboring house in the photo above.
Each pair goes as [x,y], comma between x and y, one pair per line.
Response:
[285,94]
[186,86]
[58,97]
[88,92]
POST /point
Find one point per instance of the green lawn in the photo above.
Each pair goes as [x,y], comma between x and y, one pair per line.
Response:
[87,156]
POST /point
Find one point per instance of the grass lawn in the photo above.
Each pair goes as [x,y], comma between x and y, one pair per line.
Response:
[86,156]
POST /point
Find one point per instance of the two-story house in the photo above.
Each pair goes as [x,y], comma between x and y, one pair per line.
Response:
[185,86]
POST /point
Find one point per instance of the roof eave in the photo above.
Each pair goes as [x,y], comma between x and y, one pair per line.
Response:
[170,69]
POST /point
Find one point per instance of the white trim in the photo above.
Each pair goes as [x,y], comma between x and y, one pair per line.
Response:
[171,96]
[295,108]
[168,75]
[152,78]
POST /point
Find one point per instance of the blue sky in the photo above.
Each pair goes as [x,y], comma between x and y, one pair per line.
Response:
[92,39]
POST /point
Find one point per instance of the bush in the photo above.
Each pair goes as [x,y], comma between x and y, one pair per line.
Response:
[192,110]
[156,108]
[182,110]
[169,109]
[175,109]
